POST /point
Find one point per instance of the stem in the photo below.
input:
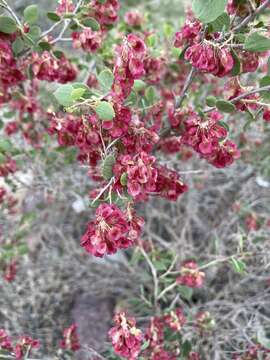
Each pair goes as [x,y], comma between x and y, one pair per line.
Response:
[252,16]
[6,6]
[242,96]
[154,274]
[187,84]
[103,190]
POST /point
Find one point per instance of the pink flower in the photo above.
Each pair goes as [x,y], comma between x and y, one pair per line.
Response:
[191,276]
[126,338]
[25,344]
[111,230]
[133,18]
[175,319]
[208,59]
[88,40]
[64,6]
[71,340]
[266,115]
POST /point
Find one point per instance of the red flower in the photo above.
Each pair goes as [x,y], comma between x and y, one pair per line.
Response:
[191,276]
[112,230]
[88,40]
[71,340]
[25,344]
[126,338]
[175,319]
[205,57]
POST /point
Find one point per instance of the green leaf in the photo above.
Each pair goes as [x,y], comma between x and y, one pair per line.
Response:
[107,167]
[92,23]
[237,64]
[211,101]
[238,265]
[63,95]
[105,111]
[185,292]
[208,10]
[76,94]
[45,45]
[145,345]
[257,42]
[5,146]
[151,40]
[150,95]
[7,25]
[268,63]
[31,14]
[105,80]
[124,179]
[53,16]
[221,23]
[34,32]
[18,46]
[265,81]
[186,349]
[139,85]
[225,106]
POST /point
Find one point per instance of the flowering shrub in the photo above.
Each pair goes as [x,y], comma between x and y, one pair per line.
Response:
[129,102]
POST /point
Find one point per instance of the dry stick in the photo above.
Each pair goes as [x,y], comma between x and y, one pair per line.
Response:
[251,16]
[154,274]
[187,84]
[242,96]
[6,6]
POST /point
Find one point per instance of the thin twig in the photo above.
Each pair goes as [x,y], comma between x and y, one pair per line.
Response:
[243,96]
[252,16]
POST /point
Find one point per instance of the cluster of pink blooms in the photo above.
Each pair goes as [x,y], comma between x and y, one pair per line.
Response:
[111,230]
[254,352]
[141,174]
[134,18]
[10,72]
[189,33]
[9,166]
[126,338]
[88,40]
[190,275]
[210,59]
[128,67]
[70,339]
[64,6]
[19,348]
[105,12]
[208,138]
[47,67]
[10,271]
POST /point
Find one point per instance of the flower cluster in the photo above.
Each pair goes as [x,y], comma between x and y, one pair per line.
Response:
[20,348]
[126,338]
[207,137]
[105,12]
[64,6]
[134,18]
[111,230]
[88,40]
[10,72]
[47,67]
[138,173]
[254,352]
[189,33]
[70,339]
[8,166]
[191,276]
[210,59]
[128,66]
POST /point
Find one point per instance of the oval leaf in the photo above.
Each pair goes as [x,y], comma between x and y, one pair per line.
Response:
[31,14]
[257,42]
[63,95]
[225,106]
[105,80]
[105,111]
[208,10]
[7,25]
